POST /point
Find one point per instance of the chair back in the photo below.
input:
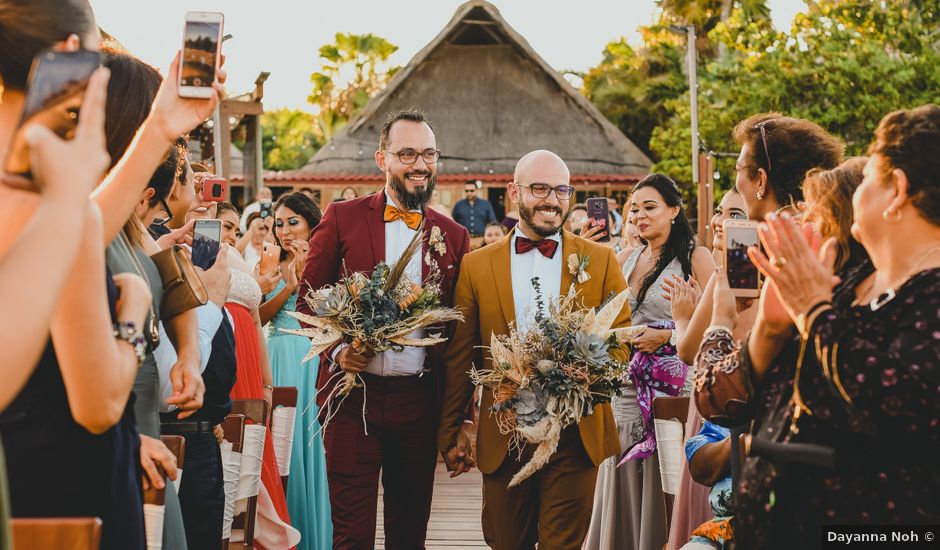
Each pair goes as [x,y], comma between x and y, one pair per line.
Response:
[669,417]
[255,410]
[283,416]
[72,533]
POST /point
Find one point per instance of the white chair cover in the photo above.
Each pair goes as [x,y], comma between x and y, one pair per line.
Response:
[153,524]
[231,465]
[178,480]
[282,436]
[669,446]
[249,479]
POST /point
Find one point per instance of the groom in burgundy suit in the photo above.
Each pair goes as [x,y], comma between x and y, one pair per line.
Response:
[402,389]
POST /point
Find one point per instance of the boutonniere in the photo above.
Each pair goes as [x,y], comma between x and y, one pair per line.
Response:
[435,243]
[577,266]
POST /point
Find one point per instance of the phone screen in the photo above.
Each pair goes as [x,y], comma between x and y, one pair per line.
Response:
[597,209]
[742,273]
[206,237]
[200,44]
[55,91]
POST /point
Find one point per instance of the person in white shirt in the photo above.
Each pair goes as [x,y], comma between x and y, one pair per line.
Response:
[264,196]
[401,389]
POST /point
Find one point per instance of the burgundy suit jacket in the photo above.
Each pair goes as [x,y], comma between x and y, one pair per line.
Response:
[354,232]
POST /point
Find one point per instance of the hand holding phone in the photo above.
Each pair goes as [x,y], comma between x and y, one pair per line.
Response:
[265,210]
[201,57]
[207,235]
[598,216]
[55,95]
[213,189]
[743,276]
[270,258]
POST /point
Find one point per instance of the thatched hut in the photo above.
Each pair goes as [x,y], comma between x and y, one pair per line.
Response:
[491,98]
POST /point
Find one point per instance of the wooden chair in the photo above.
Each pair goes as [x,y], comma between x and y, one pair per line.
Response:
[283,396]
[177,446]
[233,429]
[256,411]
[674,409]
[41,533]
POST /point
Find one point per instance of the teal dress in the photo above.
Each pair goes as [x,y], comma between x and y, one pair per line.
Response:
[308,497]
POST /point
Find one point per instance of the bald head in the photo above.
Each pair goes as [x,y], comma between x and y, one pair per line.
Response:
[542,167]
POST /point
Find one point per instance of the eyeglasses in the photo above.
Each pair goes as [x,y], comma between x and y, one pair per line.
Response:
[543,190]
[763,137]
[410,156]
[470,190]
[169,214]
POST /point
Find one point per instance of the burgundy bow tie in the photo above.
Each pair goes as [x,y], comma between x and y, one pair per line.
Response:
[546,246]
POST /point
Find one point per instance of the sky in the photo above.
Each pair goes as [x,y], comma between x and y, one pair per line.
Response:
[282,37]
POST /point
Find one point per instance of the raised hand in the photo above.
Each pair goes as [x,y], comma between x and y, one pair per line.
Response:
[183,235]
[683,295]
[70,170]
[174,115]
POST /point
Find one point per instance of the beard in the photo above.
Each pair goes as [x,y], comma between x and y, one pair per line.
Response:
[420,198]
[527,215]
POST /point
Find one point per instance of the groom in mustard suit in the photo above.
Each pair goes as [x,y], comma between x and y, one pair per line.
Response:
[553,506]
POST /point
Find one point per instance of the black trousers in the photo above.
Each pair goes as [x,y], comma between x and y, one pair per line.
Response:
[202,496]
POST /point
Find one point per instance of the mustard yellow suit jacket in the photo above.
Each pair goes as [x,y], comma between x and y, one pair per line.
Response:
[484,295]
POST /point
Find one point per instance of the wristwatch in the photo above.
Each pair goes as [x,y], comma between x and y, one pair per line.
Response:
[129,333]
[672,338]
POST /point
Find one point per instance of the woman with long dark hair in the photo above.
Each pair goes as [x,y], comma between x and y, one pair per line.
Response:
[308,502]
[628,504]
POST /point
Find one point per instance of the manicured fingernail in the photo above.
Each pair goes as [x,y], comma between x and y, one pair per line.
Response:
[763,226]
[772,216]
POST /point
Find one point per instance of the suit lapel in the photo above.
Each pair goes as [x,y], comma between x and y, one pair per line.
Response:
[376,223]
[502,273]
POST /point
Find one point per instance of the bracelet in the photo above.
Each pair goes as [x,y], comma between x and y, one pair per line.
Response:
[128,333]
[268,387]
[468,421]
[805,320]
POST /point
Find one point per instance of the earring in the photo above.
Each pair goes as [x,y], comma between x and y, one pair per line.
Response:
[888,213]
[760,196]
[673,221]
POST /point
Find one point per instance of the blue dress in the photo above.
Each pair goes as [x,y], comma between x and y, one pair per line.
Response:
[308,496]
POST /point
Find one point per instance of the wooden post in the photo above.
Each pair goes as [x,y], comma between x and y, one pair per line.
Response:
[706,198]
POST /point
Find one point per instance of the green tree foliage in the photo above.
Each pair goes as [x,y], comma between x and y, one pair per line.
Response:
[288,139]
[843,64]
[360,59]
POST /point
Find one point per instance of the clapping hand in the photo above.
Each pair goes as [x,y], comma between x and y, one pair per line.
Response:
[683,295]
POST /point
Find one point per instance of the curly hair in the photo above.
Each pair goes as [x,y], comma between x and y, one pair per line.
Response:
[829,197]
[909,140]
[794,146]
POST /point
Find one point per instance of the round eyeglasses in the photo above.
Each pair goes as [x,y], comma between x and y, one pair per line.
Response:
[543,190]
[410,156]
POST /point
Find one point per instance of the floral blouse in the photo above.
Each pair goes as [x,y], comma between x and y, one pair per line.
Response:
[870,381]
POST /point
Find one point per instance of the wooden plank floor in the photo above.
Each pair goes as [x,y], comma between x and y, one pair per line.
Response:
[455,513]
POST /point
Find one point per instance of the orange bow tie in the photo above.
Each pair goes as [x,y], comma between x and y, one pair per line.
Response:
[411,219]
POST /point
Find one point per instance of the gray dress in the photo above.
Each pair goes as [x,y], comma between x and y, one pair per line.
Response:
[629,511]
[147,381]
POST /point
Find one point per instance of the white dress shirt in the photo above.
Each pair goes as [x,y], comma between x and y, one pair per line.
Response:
[526,266]
[410,361]
[209,318]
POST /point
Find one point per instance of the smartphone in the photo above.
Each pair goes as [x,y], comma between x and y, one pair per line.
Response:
[265,211]
[206,237]
[213,189]
[597,209]
[54,94]
[270,257]
[743,275]
[202,40]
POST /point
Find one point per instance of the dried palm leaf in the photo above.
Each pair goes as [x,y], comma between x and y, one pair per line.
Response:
[417,342]
[608,314]
[398,271]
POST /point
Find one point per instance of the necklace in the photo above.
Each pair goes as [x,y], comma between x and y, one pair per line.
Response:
[883,298]
[649,257]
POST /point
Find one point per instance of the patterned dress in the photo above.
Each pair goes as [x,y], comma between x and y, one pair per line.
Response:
[872,382]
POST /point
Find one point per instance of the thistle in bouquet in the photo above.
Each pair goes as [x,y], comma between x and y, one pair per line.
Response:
[556,373]
[374,314]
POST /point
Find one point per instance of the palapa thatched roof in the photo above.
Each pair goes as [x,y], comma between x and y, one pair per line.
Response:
[491,99]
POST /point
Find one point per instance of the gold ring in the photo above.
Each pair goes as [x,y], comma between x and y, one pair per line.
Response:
[779,262]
